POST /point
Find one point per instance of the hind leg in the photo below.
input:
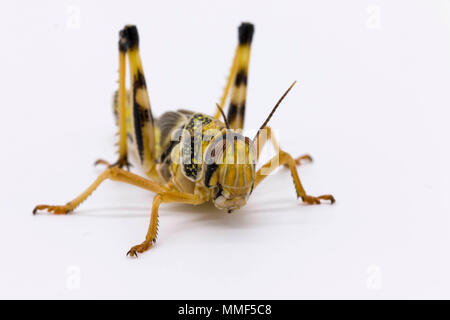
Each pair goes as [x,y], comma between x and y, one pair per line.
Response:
[120,109]
[142,130]
[237,80]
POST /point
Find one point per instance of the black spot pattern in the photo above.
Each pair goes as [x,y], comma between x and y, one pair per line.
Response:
[190,156]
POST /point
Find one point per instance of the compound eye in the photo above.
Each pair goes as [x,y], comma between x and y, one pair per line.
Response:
[218,191]
[211,175]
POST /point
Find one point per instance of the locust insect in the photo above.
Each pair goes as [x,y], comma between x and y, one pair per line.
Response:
[189,157]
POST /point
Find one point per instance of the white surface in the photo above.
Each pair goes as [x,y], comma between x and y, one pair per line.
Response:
[371,106]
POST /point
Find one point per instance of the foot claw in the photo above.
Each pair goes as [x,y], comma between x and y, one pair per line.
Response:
[301,159]
[52,209]
[331,198]
[316,200]
[140,248]
[119,163]
[122,163]
[305,157]
[132,254]
[101,161]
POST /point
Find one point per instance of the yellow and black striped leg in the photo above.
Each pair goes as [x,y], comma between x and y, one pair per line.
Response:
[236,111]
[120,108]
[237,79]
[230,79]
[136,106]
[285,158]
[143,124]
[123,150]
[152,233]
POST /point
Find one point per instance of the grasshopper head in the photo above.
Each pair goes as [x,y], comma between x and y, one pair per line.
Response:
[231,161]
[231,172]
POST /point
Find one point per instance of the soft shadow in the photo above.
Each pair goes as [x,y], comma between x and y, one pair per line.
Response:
[207,214]
[207,210]
[109,212]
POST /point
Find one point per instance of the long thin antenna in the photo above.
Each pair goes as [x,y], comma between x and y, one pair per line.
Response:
[273,110]
[223,115]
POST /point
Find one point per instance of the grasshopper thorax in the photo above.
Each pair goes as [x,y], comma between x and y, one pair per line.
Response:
[230,169]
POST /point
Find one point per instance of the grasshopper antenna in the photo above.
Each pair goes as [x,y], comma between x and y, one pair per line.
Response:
[273,110]
[223,115]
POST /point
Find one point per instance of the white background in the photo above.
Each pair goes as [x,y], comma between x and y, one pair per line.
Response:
[371,106]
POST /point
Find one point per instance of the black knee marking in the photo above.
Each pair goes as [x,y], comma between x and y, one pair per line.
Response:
[129,38]
[246,31]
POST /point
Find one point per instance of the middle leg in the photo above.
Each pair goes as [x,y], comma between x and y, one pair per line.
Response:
[266,135]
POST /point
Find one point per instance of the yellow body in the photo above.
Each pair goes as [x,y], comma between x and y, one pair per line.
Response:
[189,157]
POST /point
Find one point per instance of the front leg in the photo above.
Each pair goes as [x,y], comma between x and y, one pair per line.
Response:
[284,158]
[163,197]
[113,173]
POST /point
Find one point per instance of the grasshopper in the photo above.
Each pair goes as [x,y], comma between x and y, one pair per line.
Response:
[189,157]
